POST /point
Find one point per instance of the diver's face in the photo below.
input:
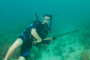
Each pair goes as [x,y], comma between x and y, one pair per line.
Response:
[46,19]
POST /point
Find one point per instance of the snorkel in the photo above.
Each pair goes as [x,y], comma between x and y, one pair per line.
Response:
[36,16]
[50,23]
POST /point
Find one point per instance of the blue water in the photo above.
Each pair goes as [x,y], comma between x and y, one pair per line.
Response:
[65,12]
[68,15]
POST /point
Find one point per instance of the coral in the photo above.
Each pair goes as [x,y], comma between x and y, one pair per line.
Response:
[85,38]
[84,55]
[72,49]
[57,49]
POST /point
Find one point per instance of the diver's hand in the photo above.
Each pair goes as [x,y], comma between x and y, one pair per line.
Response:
[48,39]
[53,38]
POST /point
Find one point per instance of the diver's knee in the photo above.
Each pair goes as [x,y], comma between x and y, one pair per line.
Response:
[21,58]
[18,43]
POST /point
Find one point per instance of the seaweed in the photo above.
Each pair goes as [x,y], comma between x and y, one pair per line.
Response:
[57,50]
[72,49]
[84,55]
[85,38]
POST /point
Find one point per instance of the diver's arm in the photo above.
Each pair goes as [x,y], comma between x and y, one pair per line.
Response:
[35,35]
[48,39]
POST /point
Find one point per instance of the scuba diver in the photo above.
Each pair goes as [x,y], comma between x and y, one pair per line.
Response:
[34,33]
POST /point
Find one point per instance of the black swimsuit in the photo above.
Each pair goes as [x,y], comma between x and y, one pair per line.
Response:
[28,38]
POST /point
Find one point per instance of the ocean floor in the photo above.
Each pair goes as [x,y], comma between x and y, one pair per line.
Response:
[74,46]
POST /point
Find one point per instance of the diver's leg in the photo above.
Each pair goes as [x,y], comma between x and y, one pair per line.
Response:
[11,50]
[21,58]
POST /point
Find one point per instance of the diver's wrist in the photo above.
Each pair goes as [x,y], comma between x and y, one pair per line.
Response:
[40,40]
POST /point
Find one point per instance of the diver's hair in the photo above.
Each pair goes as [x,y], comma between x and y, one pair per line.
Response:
[47,15]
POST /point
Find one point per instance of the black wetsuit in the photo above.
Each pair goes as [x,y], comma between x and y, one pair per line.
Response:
[42,30]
